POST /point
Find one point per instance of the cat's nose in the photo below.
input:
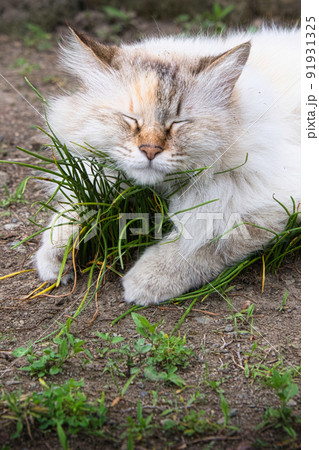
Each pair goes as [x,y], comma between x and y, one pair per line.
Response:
[151,150]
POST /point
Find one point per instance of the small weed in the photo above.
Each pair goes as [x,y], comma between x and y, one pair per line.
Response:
[191,423]
[157,353]
[18,410]
[116,14]
[259,370]
[169,375]
[280,379]
[213,20]
[225,407]
[37,37]
[118,20]
[51,360]
[283,304]
[61,407]
[282,417]
[119,360]
[16,197]
[166,350]
[244,317]
[215,385]
[25,66]
[137,429]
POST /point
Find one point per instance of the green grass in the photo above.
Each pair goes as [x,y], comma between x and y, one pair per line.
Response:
[214,20]
[63,408]
[138,429]
[15,197]
[52,358]
[36,36]
[25,66]
[285,389]
[155,354]
[118,21]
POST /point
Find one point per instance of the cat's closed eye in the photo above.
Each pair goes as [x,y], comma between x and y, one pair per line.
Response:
[136,123]
[176,124]
[133,122]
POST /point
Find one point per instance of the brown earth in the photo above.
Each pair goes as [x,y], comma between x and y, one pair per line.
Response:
[219,349]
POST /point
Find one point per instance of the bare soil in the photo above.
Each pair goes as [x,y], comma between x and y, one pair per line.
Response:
[219,348]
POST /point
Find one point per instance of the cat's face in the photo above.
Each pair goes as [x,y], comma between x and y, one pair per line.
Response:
[153,128]
[153,116]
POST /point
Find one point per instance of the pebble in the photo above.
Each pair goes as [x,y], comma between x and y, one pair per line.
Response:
[10,382]
[10,226]
[13,243]
[15,220]
[4,178]
[229,328]
[203,319]
[89,366]
[233,413]
[143,394]
[291,403]
[221,421]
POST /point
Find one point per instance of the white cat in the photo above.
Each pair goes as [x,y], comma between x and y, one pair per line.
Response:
[174,104]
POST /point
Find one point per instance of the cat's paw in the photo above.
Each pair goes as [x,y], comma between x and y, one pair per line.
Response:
[141,290]
[48,263]
[144,285]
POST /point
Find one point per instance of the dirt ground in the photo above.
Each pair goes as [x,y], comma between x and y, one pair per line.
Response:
[217,346]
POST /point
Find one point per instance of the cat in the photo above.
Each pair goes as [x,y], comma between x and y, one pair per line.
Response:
[172,104]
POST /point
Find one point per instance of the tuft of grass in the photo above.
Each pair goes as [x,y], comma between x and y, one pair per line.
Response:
[166,350]
[25,66]
[15,197]
[213,20]
[36,36]
[63,408]
[192,423]
[51,360]
[118,20]
[282,417]
[137,429]
[157,353]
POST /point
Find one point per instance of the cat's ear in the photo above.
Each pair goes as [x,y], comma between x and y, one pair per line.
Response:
[224,70]
[103,53]
[85,57]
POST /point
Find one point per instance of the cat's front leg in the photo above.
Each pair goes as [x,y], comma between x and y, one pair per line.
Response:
[49,257]
[163,273]
[166,271]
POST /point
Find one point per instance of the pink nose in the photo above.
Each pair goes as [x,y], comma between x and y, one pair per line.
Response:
[150,150]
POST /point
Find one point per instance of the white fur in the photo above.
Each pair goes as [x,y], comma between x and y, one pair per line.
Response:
[263,122]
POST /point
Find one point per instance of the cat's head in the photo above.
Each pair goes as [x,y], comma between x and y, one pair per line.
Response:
[153,113]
